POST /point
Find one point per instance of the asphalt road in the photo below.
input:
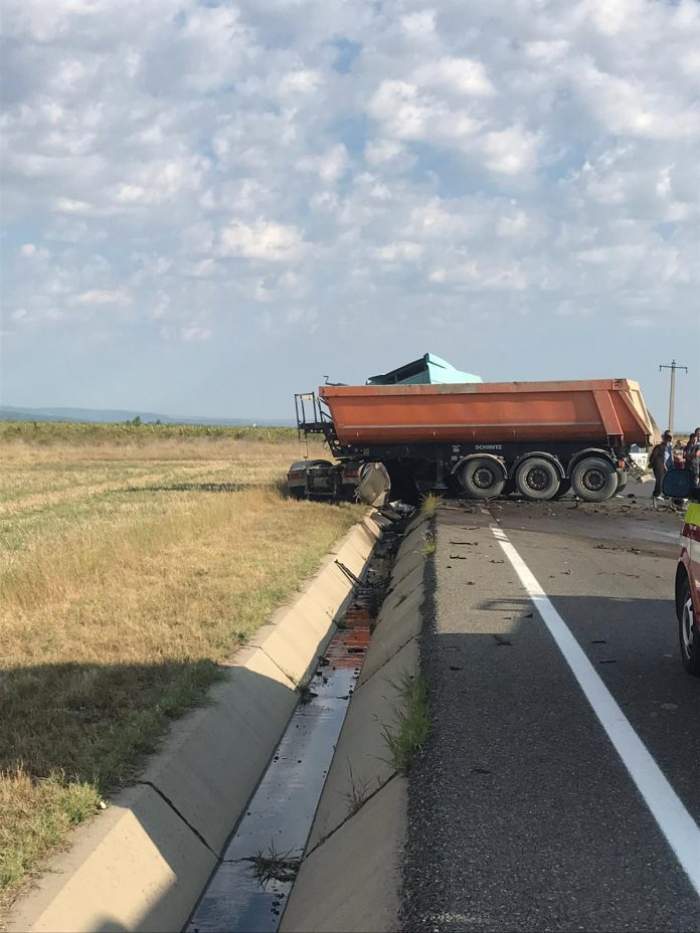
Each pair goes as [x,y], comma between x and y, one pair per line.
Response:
[522,815]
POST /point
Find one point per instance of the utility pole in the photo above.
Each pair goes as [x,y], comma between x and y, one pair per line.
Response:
[673,366]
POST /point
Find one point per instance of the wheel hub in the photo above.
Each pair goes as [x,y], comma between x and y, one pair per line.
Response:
[594,480]
[483,478]
[537,479]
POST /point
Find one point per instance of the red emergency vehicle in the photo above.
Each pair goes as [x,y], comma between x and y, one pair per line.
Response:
[681,484]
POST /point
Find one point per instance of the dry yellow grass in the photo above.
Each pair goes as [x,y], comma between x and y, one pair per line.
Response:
[127,577]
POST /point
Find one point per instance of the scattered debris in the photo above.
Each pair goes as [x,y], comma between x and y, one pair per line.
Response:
[306,694]
[612,547]
[348,573]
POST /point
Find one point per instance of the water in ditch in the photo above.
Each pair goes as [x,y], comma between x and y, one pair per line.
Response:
[248,890]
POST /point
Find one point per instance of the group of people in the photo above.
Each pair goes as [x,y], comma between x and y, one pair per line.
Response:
[664,457]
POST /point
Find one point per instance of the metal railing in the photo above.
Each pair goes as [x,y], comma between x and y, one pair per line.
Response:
[312,416]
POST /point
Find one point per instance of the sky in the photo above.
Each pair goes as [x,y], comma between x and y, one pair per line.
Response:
[209,206]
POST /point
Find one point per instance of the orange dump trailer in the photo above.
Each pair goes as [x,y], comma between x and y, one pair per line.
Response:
[592,410]
[481,440]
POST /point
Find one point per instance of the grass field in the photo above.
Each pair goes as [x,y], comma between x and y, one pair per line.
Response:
[134,561]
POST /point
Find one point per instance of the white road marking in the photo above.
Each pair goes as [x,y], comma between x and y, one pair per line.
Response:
[674,821]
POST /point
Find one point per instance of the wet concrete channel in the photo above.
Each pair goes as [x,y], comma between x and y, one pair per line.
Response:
[248,890]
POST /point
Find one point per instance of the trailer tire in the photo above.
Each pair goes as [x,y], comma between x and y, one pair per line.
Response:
[537,478]
[481,478]
[594,479]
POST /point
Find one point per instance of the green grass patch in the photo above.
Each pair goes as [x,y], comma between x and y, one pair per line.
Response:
[36,815]
[430,504]
[407,737]
[44,433]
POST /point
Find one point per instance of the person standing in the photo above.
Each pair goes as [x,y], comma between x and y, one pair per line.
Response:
[693,442]
[660,460]
[692,457]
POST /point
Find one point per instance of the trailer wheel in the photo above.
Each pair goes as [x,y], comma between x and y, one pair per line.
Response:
[594,479]
[481,478]
[537,478]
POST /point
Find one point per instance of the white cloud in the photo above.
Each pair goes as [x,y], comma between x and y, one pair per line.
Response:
[510,151]
[333,163]
[456,75]
[547,51]
[632,107]
[195,334]
[419,25]
[482,274]
[383,150]
[265,240]
[98,296]
[299,83]
[204,268]
[512,225]
[398,105]
[72,206]
[403,250]
[330,165]
[438,219]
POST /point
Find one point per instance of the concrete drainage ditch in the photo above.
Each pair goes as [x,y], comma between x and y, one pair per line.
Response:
[248,889]
[350,875]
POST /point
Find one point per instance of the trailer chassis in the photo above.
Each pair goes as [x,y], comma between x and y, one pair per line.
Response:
[441,467]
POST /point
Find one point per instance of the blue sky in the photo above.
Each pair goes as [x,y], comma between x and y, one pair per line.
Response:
[208,207]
